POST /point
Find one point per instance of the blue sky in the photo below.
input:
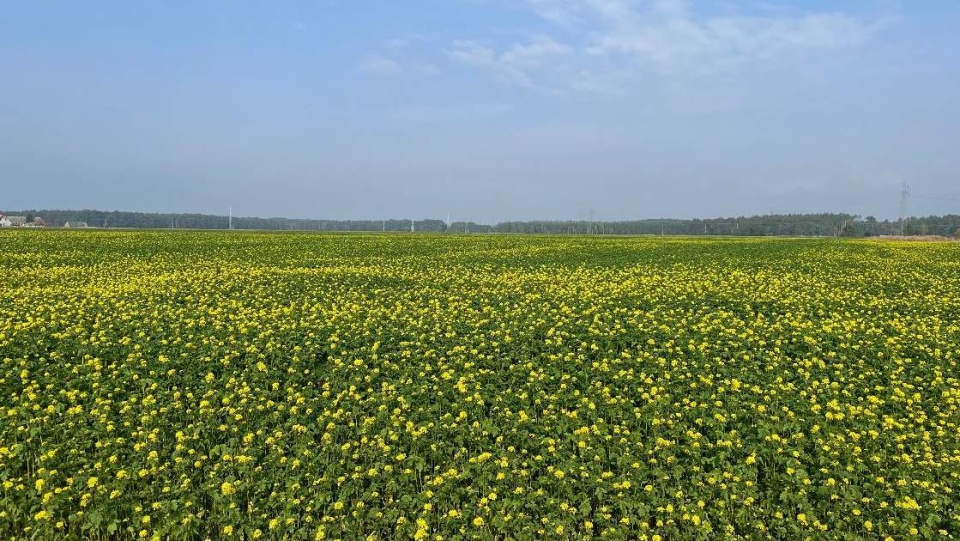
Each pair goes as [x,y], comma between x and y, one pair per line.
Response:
[488,110]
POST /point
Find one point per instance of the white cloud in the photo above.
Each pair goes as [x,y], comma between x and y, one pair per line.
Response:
[472,53]
[558,12]
[533,53]
[516,64]
[682,39]
[375,64]
[398,55]
[605,40]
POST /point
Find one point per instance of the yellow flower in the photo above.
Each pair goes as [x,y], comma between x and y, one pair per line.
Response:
[227,488]
[478,522]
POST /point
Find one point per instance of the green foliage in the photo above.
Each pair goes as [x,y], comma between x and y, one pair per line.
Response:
[191,385]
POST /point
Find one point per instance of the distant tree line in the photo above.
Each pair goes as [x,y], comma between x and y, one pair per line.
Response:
[825,225]
[819,225]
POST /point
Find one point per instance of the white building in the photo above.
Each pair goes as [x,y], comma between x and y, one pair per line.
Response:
[12,221]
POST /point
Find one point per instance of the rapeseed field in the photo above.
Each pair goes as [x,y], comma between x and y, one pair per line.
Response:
[228,385]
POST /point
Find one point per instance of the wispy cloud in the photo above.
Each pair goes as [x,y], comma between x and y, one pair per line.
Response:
[516,64]
[604,41]
[676,37]
[376,64]
[400,55]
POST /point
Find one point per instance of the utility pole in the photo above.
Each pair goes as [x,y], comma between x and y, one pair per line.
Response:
[230,219]
[904,194]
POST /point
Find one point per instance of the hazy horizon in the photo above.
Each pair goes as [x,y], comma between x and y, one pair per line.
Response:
[489,110]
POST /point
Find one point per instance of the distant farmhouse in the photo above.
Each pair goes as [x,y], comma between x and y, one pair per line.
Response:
[13,221]
[21,221]
[76,225]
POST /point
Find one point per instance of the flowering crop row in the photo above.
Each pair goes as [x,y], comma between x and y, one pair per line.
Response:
[180,385]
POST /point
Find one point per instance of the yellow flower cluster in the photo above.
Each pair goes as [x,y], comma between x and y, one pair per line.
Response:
[187,385]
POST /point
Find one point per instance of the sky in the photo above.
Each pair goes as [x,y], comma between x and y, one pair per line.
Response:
[486,110]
